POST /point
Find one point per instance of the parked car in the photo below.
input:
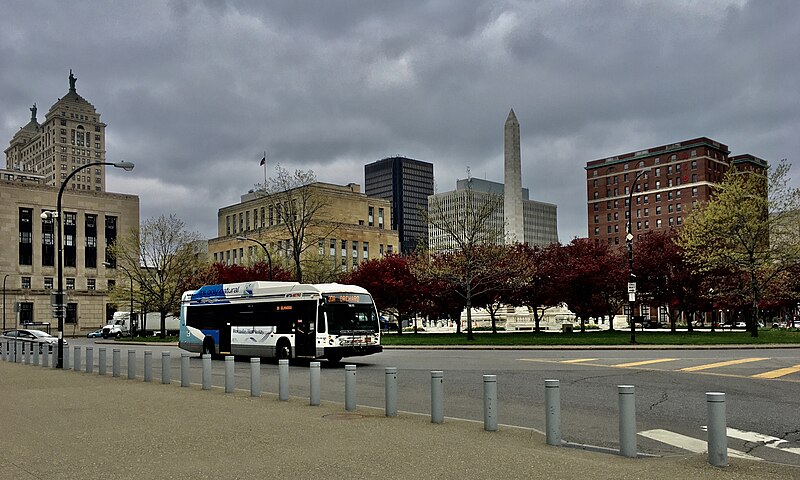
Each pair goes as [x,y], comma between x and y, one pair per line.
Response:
[96,334]
[34,336]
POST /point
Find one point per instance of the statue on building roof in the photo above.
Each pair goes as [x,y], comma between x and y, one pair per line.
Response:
[33,113]
[72,80]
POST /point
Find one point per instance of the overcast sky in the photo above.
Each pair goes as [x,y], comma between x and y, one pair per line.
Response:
[194,92]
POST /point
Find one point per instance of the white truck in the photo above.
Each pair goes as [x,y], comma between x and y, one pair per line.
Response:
[120,325]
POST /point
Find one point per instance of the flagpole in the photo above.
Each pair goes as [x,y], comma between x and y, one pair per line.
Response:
[265,169]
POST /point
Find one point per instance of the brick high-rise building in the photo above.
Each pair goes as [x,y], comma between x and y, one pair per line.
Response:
[406,183]
[679,175]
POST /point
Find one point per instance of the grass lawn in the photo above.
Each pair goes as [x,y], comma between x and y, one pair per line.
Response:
[595,338]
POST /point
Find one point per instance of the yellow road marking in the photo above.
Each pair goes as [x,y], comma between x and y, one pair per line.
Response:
[778,373]
[645,362]
[579,360]
[721,364]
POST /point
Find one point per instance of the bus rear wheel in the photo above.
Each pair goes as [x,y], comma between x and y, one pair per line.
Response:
[283,351]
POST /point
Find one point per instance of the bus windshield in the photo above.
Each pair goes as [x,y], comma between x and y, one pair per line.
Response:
[351,319]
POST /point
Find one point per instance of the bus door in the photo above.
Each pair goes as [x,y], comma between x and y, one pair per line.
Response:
[225,339]
[304,338]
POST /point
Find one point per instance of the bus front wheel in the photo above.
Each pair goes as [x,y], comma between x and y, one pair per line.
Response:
[283,350]
[334,359]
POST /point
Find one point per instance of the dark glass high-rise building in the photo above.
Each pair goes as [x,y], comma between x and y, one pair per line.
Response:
[406,183]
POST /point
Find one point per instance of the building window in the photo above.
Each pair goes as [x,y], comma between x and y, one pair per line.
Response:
[597,218]
[26,282]
[344,248]
[321,245]
[71,314]
[70,232]
[26,236]
[262,217]
[658,223]
[380,218]
[694,178]
[694,191]
[366,250]
[380,249]
[247,220]
[227,224]
[658,211]
[90,251]
[70,284]
[371,215]
[91,284]
[48,283]
[111,237]
[678,220]
[332,246]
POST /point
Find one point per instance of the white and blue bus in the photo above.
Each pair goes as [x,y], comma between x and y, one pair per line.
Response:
[280,319]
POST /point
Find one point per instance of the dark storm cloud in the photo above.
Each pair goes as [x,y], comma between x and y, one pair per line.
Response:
[194,92]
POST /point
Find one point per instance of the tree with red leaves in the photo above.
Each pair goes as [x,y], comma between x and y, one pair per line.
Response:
[392,284]
[537,284]
[592,278]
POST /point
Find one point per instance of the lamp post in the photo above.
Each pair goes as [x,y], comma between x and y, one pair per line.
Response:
[60,307]
[4,300]
[266,250]
[629,241]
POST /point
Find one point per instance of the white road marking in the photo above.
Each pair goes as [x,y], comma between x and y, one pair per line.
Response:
[755,437]
[688,443]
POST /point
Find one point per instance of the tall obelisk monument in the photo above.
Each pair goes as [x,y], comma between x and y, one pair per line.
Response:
[512,198]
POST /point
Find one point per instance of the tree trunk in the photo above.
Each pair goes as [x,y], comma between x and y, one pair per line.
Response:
[611,321]
[493,316]
[536,320]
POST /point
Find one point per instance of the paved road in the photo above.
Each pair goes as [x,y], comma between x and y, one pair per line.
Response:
[760,387]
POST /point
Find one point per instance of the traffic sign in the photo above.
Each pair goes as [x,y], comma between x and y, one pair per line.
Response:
[631,287]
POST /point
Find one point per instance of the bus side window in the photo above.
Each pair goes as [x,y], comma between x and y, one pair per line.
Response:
[321,321]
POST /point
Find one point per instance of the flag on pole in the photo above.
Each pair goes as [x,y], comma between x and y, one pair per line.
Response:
[263,161]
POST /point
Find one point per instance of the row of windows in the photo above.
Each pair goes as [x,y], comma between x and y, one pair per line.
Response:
[69,235]
[284,248]
[270,216]
[644,198]
[657,161]
[69,283]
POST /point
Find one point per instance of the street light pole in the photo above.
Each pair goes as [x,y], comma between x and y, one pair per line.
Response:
[266,250]
[629,241]
[60,307]
[4,300]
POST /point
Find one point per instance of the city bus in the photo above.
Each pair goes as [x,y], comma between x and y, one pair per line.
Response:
[280,320]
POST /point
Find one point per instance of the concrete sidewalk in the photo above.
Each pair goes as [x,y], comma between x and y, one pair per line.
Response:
[66,424]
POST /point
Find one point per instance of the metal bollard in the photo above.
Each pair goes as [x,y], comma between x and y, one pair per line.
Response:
[552,410]
[29,357]
[206,371]
[131,364]
[148,365]
[115,361]
[89,360]
[64,357]
[35,354]
[46,356]
[185,369]
[437,396]
[390,381]
[230,380]
[101,361]
[76,359]
[627,421]
[313,377]
[283,379]
[255,377]
[350,387]
[717,429]
[165,374]
[490,403]
[3,350]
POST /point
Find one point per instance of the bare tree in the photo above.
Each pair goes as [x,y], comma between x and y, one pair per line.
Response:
[466,224]
[157,257]
[299,210]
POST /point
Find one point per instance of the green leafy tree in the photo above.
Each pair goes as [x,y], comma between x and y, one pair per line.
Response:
[751,225]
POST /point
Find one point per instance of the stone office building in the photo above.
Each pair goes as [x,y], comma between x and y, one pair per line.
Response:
[351,229]
[39,158]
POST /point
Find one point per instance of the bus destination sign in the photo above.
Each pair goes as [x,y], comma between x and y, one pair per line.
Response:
[347,298]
